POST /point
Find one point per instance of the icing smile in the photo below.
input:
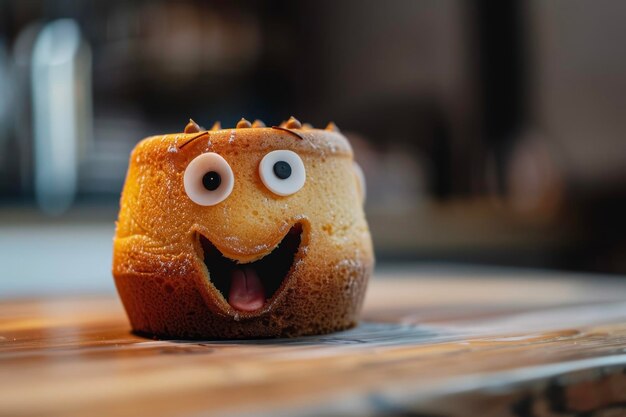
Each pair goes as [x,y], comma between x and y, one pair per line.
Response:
[250,286]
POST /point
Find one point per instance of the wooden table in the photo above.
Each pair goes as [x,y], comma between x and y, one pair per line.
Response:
[430,344]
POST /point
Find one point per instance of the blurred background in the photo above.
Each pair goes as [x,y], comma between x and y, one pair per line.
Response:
[489,133]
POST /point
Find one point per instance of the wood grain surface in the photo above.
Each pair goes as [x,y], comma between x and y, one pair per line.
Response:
[430,344]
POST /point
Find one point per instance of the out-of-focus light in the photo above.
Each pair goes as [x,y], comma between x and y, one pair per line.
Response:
[5,93]
[61,89]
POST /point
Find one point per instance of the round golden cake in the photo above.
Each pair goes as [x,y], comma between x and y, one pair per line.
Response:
[242,233]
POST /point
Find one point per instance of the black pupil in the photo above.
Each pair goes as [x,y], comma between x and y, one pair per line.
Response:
[282,170]
[211,180]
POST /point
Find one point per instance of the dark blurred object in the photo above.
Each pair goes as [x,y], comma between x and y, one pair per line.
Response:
[487,132]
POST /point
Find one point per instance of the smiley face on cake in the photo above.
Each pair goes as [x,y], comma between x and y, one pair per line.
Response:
[238,233]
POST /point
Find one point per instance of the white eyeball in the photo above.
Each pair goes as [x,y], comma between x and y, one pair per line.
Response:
[282,172]
[360,181]
[208,179]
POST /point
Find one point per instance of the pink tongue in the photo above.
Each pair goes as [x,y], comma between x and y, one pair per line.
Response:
[246,290]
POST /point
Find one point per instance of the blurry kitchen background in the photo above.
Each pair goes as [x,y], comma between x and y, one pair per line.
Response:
[490,133]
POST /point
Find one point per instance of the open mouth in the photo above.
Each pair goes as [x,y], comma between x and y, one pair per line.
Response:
[248,286]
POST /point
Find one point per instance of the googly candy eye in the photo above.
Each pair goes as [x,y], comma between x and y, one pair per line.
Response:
[208,179]
[360,181]
[282,172]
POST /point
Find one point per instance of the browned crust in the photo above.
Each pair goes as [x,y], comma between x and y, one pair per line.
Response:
[183,312]
[162,280]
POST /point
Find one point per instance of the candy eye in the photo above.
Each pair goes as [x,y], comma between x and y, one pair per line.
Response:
[282,172]
[208,179]
[360,181]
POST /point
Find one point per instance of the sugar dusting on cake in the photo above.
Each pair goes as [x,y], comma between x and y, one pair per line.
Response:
[164,246]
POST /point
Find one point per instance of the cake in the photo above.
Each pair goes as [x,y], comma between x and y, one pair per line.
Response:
[247,232]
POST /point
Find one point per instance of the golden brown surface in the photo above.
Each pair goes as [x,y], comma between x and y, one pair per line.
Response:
[158,266]
[476,344]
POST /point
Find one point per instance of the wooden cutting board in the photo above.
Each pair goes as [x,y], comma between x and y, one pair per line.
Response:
[430,344]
